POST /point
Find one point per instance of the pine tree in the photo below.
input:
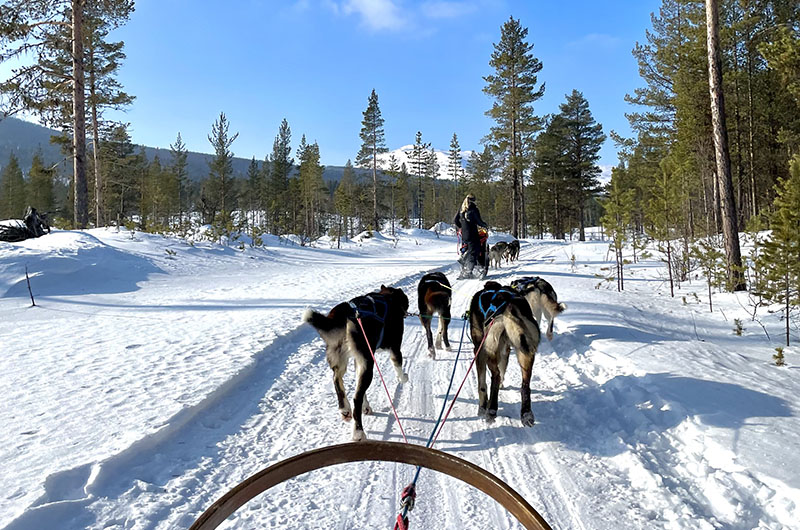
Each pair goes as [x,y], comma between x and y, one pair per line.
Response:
[617,219]
[180,174]
[782,250]
[724,178]
[418,158]
[221,169]
[393,172]
[583,138]
[479,174]
[253,197]
[12,190]
[280,167]
[41,185]
[343,200]
[373,144]
[311,187]
[514,90]
[122,173]
[36,29]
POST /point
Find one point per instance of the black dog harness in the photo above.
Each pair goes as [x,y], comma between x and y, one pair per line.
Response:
[374,307]
[490,306]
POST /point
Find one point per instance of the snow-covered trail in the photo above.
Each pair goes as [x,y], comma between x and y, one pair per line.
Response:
[649,413]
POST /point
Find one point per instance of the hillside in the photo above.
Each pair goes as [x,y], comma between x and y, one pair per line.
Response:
[24,138]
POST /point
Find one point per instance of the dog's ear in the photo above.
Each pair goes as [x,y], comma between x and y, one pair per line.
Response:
[383,287]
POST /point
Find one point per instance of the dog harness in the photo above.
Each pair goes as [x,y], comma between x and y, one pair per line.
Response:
[523,285]
[490,306]
[368,307]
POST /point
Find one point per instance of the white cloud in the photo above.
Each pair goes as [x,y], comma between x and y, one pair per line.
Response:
[445,9]
[376,14]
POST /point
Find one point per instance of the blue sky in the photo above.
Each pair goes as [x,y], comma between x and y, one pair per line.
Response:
[314,62]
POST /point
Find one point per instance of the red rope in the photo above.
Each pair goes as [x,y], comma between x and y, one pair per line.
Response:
[382,381]
[462,383]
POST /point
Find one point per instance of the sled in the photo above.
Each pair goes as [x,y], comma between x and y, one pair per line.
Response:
[415,455]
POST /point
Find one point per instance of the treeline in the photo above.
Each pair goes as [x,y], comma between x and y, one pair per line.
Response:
[520,182]
[671,182]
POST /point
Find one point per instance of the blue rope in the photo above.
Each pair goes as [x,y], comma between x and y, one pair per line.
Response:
[441,413]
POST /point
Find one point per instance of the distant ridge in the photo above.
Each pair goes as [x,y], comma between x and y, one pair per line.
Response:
[24,138]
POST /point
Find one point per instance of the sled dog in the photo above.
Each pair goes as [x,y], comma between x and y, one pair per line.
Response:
[512,253]
[497,252]
[434,294]
[542,298]
[501,318]
[382,315]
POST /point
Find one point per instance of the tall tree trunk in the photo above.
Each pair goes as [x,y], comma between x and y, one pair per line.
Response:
[81,214]
[729,217]
[98,181]
[375,186]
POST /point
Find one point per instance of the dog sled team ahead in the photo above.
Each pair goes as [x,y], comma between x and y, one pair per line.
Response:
[500,317]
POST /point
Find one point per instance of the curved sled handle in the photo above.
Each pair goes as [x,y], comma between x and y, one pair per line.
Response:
[415,455]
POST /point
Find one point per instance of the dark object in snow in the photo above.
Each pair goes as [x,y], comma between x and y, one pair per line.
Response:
[34,224]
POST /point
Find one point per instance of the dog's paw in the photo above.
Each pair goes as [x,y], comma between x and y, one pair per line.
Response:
[550,336]
[366,410]
[527,419]
[432,353]
[491,414]
[404,378]
[481,411]
[359,435]
[447,348]
[347,415]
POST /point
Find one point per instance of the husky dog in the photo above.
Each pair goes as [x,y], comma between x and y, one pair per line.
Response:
[433,296]
[500,318]
[497,252]
[542,298]
[381,313]
[512,253]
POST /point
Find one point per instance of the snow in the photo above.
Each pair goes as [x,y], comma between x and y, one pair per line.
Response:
[155,374]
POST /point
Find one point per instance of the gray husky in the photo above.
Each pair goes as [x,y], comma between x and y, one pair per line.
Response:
[497,253]
[381,314]
[542,298]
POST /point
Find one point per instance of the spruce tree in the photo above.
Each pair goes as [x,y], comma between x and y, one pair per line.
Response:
[311,187]
[373,144]
[583,138]
[12,190]
[782,251]
[514,90]
[41,185]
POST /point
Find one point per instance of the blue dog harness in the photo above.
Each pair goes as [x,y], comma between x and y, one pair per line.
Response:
[488,304]
[368,307]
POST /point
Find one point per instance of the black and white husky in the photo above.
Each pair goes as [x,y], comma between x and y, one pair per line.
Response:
[381,314]
[433,297]
[500,318]
[542,298]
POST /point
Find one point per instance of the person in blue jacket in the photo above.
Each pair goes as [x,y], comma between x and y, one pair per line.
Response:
[468,220]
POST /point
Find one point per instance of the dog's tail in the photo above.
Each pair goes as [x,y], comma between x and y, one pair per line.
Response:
[323,323]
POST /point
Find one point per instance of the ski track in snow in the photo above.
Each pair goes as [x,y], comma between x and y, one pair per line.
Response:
[625,436]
